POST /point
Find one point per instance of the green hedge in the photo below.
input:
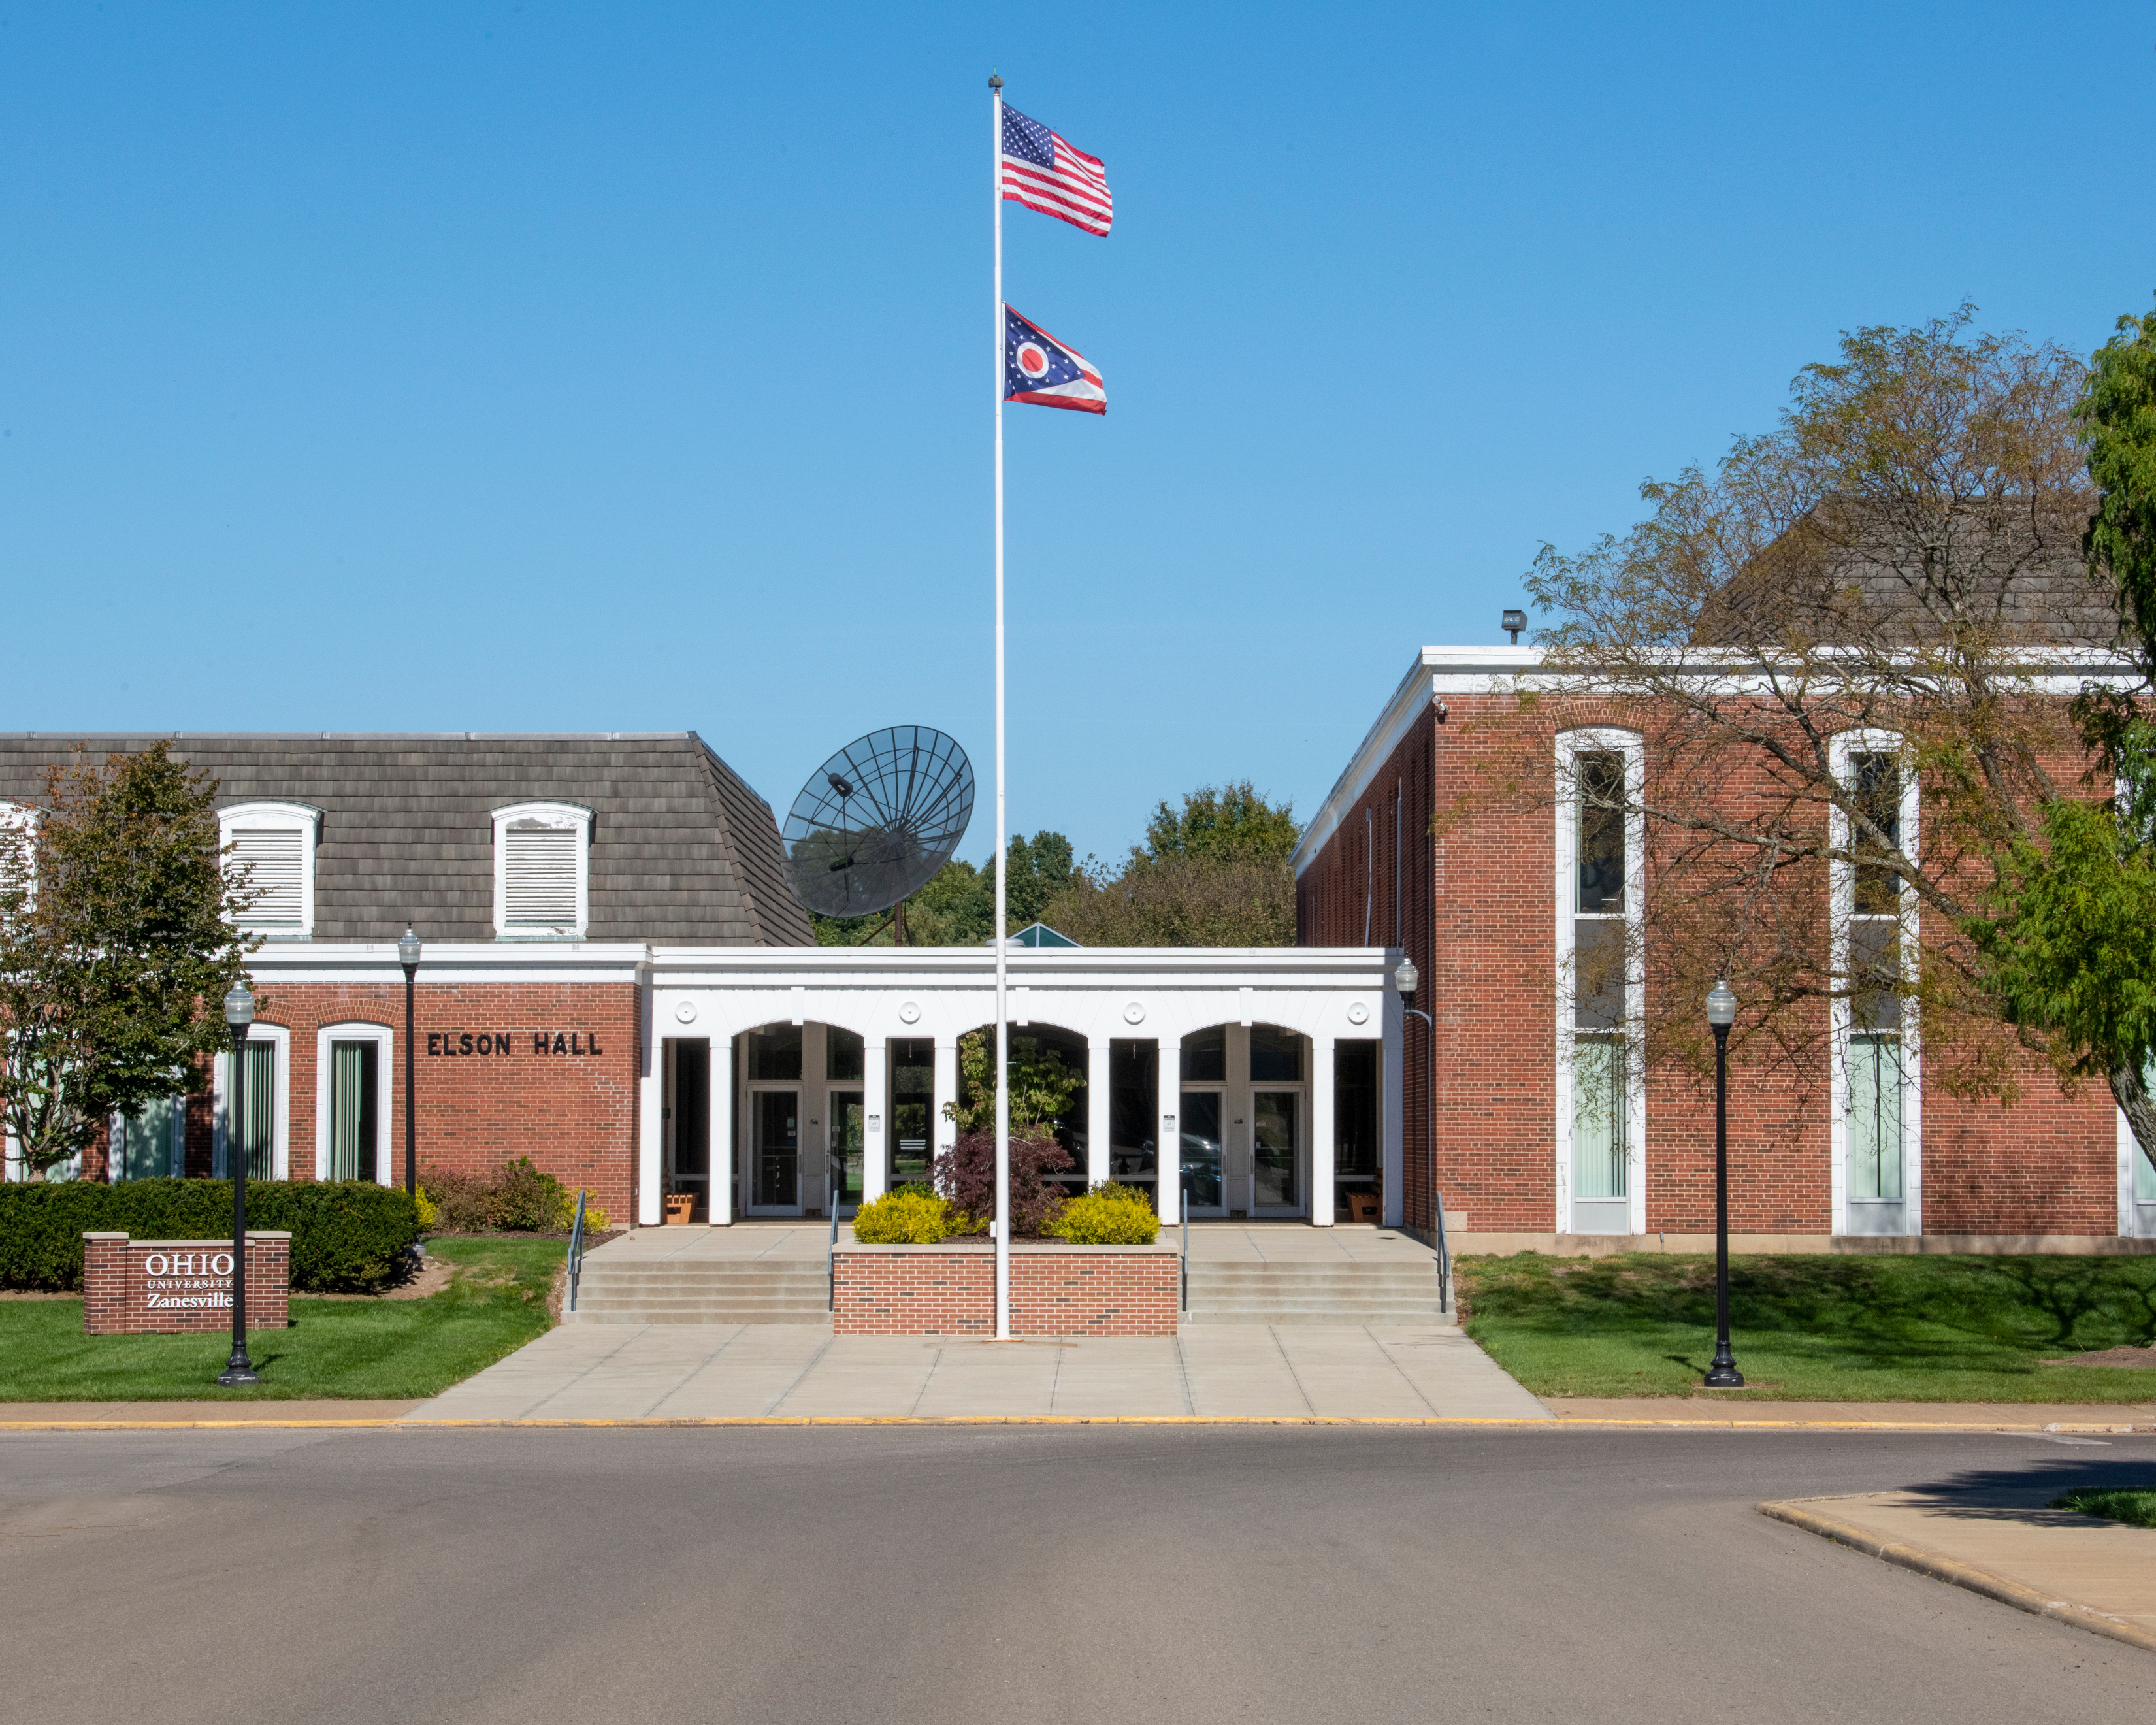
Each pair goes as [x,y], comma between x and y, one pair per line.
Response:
[346,1235]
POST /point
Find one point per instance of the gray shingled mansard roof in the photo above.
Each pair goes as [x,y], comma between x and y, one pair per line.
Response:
[1862,581]
[683,853]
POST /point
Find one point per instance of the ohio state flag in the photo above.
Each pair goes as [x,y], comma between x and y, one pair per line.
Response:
[1046,373]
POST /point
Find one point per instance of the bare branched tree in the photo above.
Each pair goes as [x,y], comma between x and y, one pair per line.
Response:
[1845,652]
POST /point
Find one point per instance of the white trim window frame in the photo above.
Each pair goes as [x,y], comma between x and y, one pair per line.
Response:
[276,842]
[1842,749]
[281,1148]
[1627,1038]
[385,1041]
[536,899]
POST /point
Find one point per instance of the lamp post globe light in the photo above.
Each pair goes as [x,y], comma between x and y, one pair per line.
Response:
[1721,1014]
[238,1015]
[408,955]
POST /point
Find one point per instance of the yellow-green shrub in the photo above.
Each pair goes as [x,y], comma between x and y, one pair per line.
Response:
[903,1219]
[1108,1215]
[429,1216]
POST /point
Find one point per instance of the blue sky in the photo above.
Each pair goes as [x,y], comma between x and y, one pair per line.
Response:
[551,367]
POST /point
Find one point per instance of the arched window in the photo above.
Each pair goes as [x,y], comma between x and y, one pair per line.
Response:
[542,872]
[270,862]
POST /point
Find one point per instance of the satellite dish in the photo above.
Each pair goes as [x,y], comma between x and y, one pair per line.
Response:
[877,820]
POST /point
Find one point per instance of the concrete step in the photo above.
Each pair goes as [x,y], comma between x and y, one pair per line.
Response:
[1414,1316]
[822,1321]
[788,1291]
[1314,1293]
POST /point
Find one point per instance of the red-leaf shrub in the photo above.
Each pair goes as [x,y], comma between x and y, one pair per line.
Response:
[966,1174]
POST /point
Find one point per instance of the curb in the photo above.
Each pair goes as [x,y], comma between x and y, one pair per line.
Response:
[1941,1568]
[664,1422]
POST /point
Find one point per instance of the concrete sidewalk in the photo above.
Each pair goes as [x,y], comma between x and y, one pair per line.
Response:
[2000,1540]
[1301,1371]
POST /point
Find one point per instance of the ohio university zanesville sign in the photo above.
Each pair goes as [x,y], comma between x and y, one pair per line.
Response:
[167,1287]
[501,1042]
[188,1279]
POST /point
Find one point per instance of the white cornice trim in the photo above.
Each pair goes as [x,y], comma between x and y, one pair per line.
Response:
[453,962]
[1439,671]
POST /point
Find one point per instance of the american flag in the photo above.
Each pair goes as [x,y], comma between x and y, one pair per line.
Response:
[1042,171]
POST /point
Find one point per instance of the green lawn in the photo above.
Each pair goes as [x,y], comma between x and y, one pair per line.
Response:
[1825,1328]
[2136,1504]
[356,1349]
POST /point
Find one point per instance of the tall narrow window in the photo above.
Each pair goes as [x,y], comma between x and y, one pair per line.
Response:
[149,1140]
[258,1070]
[912,1109]
[354,1084]
[1600,1114]
[1872,903]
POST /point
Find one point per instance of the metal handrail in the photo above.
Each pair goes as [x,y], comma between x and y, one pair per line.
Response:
[1186,1248]
[1444,1259]
[577,1249]
[837,1176]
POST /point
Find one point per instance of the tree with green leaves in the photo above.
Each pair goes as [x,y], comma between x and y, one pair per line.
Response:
[958,906]
[2072,934]
[1212,873]
[117,945]
[1042,1085]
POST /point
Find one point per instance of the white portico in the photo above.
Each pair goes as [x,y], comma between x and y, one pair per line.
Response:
[1275,1074]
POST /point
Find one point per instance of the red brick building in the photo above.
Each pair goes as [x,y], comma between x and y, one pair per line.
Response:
[537,870]
[617,980]
[1504,1115]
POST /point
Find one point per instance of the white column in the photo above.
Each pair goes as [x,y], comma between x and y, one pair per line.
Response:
[1321,1140]
[720,1207]
[651,1120]
[943,1131]
[1392,1124]
[1099,1115]
[815,1130]
[875,1107]
[1168,1163]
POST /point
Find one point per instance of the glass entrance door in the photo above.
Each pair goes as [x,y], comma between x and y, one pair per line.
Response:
[847,1139]
[1203,1169]
[775,1153]
[1275,1153]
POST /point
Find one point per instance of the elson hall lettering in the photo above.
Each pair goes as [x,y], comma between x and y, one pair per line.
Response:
[498,1042]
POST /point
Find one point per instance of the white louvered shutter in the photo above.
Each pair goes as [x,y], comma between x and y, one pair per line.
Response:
[267,862]
[539,874]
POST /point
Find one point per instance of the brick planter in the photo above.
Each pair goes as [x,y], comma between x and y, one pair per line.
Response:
[172,1287]
[1055,1290]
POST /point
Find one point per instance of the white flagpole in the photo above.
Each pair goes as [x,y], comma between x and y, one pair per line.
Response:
[1003,979]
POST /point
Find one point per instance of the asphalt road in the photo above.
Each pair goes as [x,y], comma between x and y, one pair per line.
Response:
[1186,1573]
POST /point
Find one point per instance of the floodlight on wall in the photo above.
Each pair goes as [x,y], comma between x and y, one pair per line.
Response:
[1512,623]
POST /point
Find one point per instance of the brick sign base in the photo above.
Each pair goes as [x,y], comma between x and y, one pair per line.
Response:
[172,1287]
[1055,1290]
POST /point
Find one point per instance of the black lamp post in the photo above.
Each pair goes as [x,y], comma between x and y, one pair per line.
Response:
[238,1015]
[1721,1014]
[408,955]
